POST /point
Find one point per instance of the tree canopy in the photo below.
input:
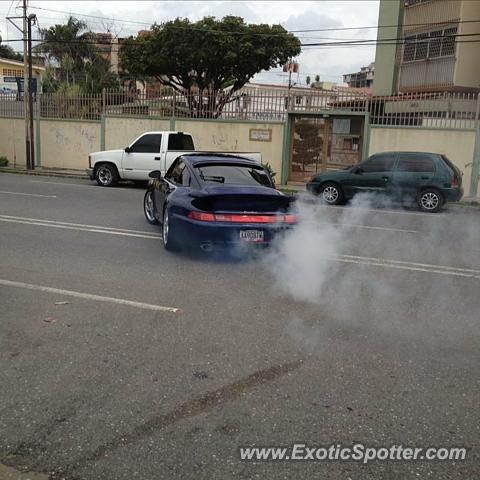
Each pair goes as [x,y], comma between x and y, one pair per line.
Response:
[215,58]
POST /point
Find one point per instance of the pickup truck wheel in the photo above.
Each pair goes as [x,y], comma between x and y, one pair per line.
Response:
[169,241]
[106,175]
[149,207]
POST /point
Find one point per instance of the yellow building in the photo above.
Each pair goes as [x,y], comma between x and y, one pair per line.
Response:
[11,76]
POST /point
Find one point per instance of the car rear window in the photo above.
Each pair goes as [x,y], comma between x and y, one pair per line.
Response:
[415,163]
[234,175]
[179,141]
[451,165]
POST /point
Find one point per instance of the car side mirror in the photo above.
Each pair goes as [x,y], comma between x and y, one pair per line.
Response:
[128,149]
[357,170]
[155,174]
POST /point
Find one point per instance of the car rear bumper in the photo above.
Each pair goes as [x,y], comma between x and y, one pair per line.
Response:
[452,194]
[189,231]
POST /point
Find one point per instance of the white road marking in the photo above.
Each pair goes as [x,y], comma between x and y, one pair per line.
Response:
[64,183]
[381,210]
[438,269]
[89,296]
[28,194]
[80,227]
[368,227]
[414,264]
[361,260]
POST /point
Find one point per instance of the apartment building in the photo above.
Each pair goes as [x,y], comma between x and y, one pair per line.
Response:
[437,47]
[361,79]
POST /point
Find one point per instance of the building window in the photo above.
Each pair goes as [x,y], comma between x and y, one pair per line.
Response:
[410,3]
[437,43]
[11,72]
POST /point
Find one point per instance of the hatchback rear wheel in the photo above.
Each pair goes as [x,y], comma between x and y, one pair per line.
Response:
[331,193]
[430,200]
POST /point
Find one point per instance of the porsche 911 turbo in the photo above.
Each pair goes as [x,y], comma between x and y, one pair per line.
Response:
[213,200]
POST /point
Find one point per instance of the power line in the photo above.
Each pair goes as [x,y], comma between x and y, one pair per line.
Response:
[331,29]
[370,42]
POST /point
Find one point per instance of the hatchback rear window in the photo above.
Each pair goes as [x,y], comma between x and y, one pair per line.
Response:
[234,175]
[415,163]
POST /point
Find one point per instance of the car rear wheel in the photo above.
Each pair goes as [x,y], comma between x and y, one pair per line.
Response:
[169,241]
[106,175]
[149,208]
[331,193]
[430,200]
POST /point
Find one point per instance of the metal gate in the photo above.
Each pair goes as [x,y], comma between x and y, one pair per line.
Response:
[324,142]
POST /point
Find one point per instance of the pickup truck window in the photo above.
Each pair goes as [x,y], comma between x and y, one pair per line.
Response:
[179,141]
[149,143]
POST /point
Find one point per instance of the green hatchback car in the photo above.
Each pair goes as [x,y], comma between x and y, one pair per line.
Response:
[429,179]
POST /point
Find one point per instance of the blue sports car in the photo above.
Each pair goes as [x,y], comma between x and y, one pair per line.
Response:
[210,200]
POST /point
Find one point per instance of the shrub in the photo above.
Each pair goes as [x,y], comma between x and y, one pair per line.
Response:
[3,161]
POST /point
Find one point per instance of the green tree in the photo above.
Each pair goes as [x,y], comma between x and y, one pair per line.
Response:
[72,39]
[67,64]
[73,47]
[7,52]
[209,60]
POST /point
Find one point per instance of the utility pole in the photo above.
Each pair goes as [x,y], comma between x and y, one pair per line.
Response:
[26,88]
[31,19]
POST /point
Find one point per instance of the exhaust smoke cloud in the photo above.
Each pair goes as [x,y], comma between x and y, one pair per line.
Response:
[357,267]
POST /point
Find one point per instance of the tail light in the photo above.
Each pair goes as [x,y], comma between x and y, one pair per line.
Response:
[89,161]
[242,218]
[454,183]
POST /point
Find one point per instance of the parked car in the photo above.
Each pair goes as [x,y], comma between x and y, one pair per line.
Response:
[150,151]
[211,200]
[430,179]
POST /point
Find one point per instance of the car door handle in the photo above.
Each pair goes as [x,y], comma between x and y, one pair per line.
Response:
[424,178]
[156,158]
[386,178]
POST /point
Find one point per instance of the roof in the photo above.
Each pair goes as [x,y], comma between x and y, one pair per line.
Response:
[18,64]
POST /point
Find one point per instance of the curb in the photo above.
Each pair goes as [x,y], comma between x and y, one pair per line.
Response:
[41,173]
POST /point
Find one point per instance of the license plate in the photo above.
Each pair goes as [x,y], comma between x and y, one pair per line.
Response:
[255,236]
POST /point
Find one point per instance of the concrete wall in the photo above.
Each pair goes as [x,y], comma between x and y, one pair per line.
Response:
[457,145]
[66,144]
[121,131]
[12,141]
[234,137]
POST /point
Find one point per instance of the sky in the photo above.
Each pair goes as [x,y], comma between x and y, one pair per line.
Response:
[125,18]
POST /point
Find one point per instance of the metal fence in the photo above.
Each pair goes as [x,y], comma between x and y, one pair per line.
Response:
[442,110]
[439,110]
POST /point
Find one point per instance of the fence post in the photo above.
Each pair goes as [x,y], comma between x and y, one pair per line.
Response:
[38,148]
[475,177]
[103,101]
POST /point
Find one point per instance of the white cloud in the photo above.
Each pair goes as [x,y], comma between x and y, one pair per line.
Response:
[329,63]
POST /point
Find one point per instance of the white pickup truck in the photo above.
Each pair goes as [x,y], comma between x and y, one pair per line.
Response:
[150,151]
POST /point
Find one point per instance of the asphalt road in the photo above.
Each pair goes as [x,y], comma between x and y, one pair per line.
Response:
[119,360]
